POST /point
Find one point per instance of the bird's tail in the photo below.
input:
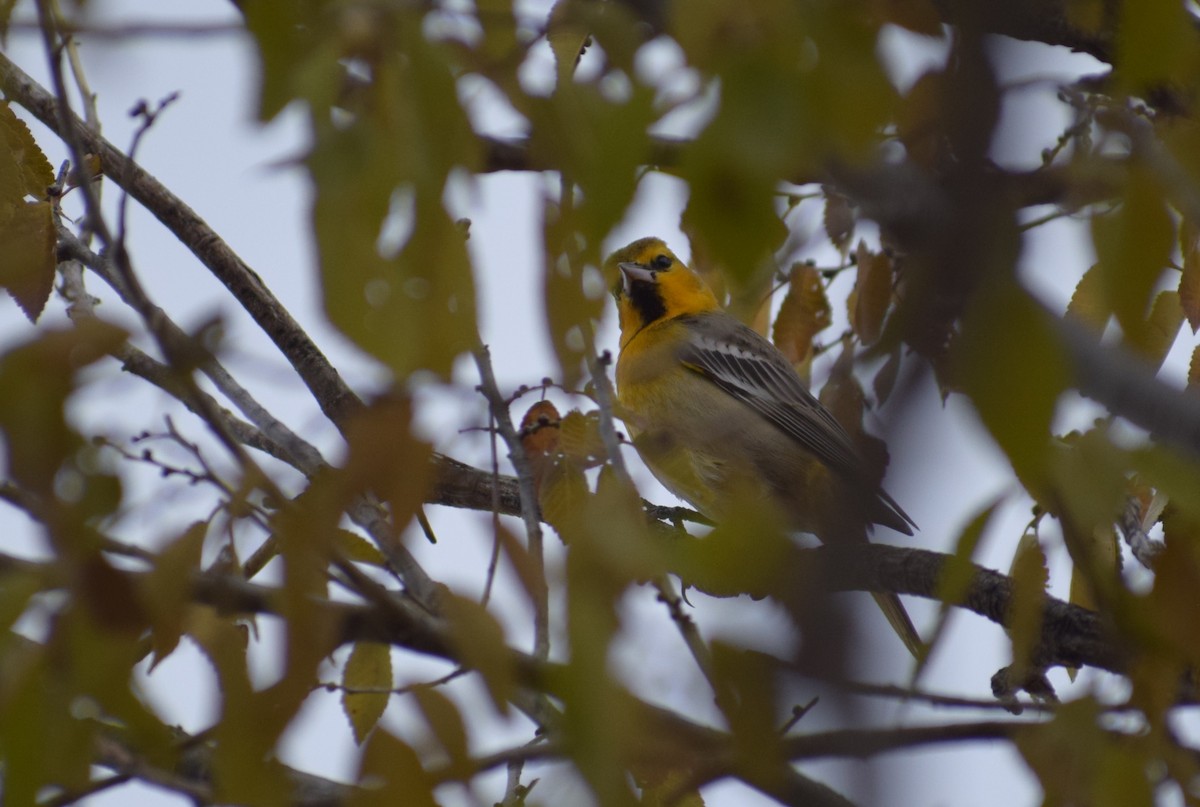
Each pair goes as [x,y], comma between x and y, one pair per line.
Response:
[896,615]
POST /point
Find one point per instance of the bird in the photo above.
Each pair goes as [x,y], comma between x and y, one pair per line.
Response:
[717,412]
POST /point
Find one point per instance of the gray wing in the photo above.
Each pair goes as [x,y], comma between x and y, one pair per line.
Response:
[751,369]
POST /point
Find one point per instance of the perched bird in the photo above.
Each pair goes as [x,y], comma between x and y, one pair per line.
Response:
[718,413]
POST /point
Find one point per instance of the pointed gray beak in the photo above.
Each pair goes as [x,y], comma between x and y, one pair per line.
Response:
[632,273]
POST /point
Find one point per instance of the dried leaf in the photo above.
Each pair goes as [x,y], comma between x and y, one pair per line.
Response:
[804,313]
[874,293]
[1193,382]
[1189,278]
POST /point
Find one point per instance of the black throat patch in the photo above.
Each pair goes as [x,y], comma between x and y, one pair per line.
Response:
[647,301]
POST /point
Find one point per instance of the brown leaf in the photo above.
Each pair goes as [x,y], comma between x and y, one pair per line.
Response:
[1189,278]
[1089,303]
[805,312]
[1193,381]
[874,287]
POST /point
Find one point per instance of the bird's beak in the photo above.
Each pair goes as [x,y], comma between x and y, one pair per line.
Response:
[634,273]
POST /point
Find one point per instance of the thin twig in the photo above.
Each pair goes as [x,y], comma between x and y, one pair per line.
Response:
[529,502]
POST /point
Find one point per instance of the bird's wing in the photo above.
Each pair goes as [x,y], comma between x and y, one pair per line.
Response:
[751,369]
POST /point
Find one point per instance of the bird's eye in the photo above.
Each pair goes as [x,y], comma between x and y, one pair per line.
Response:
[661,263]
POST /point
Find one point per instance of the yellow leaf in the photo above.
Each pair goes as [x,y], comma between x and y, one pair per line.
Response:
[24,169]
[367,682]
[354,547]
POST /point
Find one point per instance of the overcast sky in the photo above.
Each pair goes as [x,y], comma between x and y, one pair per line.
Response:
[234,173]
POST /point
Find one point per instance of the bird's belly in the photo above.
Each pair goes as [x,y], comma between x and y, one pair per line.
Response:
[727,457]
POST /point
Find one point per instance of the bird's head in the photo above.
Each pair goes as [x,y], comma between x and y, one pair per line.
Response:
[654,285]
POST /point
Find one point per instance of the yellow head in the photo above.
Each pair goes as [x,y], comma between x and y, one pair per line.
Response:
[653,286]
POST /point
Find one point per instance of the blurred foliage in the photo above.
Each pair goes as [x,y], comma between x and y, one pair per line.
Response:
[925,231]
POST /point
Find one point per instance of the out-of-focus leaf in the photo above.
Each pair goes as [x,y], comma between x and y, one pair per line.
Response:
[389,774]
[873,293]
[1089,304]
[1133,246]
[1076,763]
[804,313]
[447,725]
[480,644]
[1105,551]
[367,681]
[289,46]
[956,577]
[567,38]
[885,379]
[1030,577]
[838,218]
[752,712]
[748,553]
[385,458]
[246,731]
[1189,278]
[1193,381]
[918,121]
[1161,329]
[1154,43]
[43,369]
[353,546]
[166,591]
[918,16]
[1009,362]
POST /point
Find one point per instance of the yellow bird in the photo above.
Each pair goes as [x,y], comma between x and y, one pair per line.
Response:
[718,414]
